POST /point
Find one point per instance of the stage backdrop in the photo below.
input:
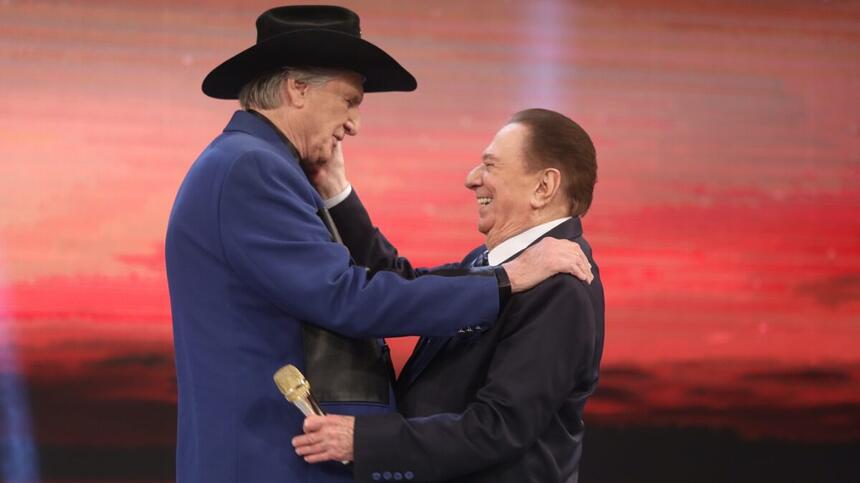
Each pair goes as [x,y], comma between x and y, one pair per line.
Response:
[726,218]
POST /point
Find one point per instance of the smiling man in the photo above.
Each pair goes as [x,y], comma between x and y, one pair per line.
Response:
[504,404]
[256,279]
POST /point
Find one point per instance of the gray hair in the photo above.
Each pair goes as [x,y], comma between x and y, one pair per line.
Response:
[264,92]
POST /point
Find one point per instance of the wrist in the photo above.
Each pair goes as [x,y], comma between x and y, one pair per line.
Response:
[513,277]
[332,188]
[335,199]
[504,283]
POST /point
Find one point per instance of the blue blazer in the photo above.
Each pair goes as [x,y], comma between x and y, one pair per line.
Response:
[249,261]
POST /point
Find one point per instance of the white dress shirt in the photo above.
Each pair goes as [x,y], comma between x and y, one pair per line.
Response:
[517,243]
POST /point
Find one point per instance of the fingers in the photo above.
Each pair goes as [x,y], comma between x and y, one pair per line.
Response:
[326,438]
[313,447]
[579,271]
[308,446]
[306,443]
[316,453]
[312,442]
[580,266]
[584,267]
[313,423]
[548,257]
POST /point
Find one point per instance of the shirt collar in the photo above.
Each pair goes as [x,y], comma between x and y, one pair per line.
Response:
[518,243]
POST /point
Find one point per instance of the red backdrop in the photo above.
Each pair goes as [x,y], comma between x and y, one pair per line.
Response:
[726,218]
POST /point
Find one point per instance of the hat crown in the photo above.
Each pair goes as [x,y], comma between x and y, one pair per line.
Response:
[308,35]
[282,20]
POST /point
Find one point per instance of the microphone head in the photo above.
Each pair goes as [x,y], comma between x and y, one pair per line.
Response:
[292,383]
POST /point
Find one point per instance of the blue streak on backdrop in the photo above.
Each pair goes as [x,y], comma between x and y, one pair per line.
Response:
[541,68]
[18,458]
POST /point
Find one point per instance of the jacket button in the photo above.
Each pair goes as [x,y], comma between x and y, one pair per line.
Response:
[409,475]
[376,476]
[386,476]
[398,475]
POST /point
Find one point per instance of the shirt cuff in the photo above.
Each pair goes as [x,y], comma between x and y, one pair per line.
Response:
[338,198]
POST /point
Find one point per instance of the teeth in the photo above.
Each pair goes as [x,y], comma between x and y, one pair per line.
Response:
[484,201]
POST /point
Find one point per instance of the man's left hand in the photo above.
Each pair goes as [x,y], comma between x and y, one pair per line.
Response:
[326,438]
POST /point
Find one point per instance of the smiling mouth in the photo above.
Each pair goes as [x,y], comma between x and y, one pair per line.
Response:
[484,201]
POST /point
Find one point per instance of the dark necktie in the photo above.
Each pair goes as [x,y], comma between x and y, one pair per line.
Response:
[482,260]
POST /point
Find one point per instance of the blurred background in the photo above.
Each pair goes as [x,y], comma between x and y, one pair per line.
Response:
[726,218]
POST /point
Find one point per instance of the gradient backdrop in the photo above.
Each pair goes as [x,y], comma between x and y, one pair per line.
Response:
[726,218]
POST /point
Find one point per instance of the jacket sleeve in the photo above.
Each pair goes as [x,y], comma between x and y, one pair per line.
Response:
[272,237]
[367,245]
[539,361]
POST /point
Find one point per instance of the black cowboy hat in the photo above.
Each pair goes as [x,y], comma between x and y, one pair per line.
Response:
[309,36]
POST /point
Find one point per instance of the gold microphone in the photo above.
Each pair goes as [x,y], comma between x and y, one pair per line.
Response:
[297,390]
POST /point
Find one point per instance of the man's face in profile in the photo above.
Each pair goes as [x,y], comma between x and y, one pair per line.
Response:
[330,114]
[503,185]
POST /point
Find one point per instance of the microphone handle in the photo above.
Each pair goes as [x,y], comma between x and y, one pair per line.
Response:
[315,405]
[309,407]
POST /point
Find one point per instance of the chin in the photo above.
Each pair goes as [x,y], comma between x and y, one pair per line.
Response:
[320,158]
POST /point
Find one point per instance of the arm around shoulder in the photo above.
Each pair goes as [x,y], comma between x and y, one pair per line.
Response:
[274,240]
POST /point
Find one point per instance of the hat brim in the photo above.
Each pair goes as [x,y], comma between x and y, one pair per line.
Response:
[302,48]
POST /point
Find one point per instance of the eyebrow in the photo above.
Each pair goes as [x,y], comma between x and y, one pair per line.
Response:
[488,156]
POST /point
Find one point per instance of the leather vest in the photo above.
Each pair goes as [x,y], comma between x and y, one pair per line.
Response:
[342,369]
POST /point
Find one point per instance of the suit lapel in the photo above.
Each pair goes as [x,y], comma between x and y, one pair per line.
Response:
[424,353]
[427,347]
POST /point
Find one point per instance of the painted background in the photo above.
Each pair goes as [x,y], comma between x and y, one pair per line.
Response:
[726,218]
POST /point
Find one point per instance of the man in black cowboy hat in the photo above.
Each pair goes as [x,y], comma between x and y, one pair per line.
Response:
[256,278]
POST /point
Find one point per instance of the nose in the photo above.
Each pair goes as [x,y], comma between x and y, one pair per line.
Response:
[352,124]
[473,179]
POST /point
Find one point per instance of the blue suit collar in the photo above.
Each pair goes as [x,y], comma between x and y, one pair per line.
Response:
[258,126]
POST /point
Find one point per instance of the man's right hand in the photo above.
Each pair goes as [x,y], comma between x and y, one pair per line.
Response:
[329,178]
[543,260]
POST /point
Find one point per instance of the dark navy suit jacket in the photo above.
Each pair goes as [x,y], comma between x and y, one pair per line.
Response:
[502,405]
[249,261]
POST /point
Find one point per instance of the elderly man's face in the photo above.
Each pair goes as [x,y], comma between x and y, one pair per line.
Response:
[330,114]
[503,186]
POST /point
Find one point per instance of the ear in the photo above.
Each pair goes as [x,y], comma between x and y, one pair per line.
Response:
[548,185]
[294,92]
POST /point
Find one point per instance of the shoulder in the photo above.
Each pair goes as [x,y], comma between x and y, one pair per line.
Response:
[562,289]
[253,163]
[562,302]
